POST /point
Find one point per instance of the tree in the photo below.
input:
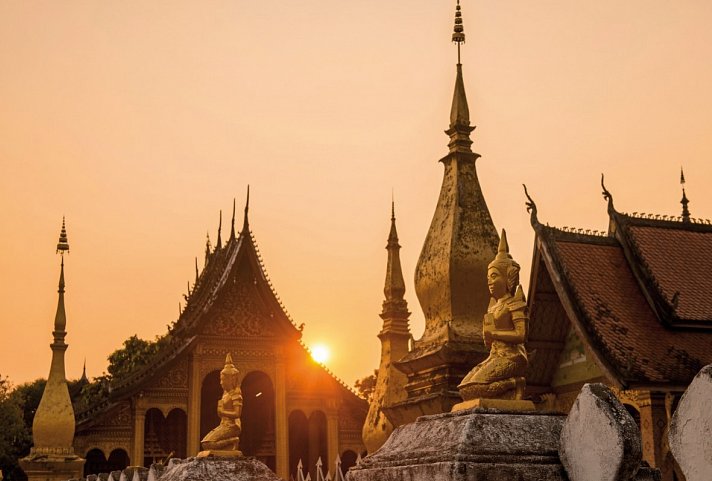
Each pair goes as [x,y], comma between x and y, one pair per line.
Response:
[135,354]
[365,386]
[15,438]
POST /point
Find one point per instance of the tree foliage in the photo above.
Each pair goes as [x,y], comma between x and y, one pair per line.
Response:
[135,354]
[365,386]
[15,437]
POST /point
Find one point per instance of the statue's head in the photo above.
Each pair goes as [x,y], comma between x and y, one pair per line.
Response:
[503,271]
[229,374]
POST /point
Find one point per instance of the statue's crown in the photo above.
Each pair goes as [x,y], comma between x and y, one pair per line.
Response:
[229,368]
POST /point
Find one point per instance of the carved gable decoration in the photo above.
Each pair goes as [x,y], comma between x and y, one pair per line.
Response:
[176,377]
[239,312]
[119,416]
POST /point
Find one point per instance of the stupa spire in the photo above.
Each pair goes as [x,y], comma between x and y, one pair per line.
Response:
[53,425]
[394,288]
[394,336]
[684,201]
[460,129]
[451,273]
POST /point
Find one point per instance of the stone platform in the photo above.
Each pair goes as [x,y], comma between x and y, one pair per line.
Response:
[477,444]
[219,469]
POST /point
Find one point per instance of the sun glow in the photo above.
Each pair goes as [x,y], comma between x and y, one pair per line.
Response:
[320,353]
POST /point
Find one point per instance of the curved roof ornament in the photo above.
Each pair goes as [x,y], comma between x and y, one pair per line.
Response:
[607,196]
[531,208]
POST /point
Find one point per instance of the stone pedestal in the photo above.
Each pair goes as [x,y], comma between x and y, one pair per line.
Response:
[476,444]
[219,469]
[53,468]
[220,453]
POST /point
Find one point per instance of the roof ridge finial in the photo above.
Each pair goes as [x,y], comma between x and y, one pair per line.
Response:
[684,201]
[607,196]
[232,224]
[246,222]
[531,207]
[218,245]
[207,247]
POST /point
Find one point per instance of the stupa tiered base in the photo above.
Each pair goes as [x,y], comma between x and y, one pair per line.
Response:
[483,444]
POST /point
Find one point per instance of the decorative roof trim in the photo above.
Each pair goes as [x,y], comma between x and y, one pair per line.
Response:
[571,302]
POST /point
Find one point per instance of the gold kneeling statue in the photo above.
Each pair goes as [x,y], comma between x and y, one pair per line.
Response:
[501,375]
[224,439]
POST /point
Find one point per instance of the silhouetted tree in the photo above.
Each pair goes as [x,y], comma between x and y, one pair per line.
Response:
[365,386]
[15,438]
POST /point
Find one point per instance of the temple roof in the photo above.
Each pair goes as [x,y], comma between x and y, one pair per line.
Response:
[623,293]
[237,262]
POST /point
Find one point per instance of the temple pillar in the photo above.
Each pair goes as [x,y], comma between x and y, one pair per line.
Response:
[139,424]
[332,433]
[193,431]
[280,421]
[653,419]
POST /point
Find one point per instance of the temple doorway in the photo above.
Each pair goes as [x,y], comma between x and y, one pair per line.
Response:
[164,436]
[258,432]
[210,394]
[317,442]
[298,441]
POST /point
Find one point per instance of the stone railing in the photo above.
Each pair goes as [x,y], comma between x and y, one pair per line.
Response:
[158,470]
[598,441]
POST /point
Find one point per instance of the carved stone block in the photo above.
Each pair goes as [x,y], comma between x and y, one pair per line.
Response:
[691,429]
[600,440]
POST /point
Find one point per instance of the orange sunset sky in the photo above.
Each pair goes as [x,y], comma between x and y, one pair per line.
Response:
[140,120]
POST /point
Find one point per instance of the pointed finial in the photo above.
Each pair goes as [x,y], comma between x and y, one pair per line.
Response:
[207,248]
[197,275]
[503,248]
[84,371]
[607,195]
[232,224]
[246,222]
[63,244]
[458,34]
[684,201]
[531,208]
[393,206]
[218,245]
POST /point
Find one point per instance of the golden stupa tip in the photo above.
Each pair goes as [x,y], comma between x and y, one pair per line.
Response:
[63,244]
[458,34]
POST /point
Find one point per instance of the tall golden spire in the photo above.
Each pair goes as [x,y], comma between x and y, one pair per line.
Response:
[394,336]
[451,273]
[394,288]
[53,425]
[460,129]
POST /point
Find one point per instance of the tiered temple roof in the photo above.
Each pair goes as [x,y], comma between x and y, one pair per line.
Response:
[638,296]
[239,253]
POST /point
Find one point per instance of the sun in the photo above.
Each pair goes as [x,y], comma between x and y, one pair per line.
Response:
[320,353]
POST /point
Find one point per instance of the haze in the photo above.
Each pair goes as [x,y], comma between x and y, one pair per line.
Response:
[140,120]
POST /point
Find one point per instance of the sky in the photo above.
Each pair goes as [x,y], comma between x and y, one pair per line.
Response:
[139,121]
